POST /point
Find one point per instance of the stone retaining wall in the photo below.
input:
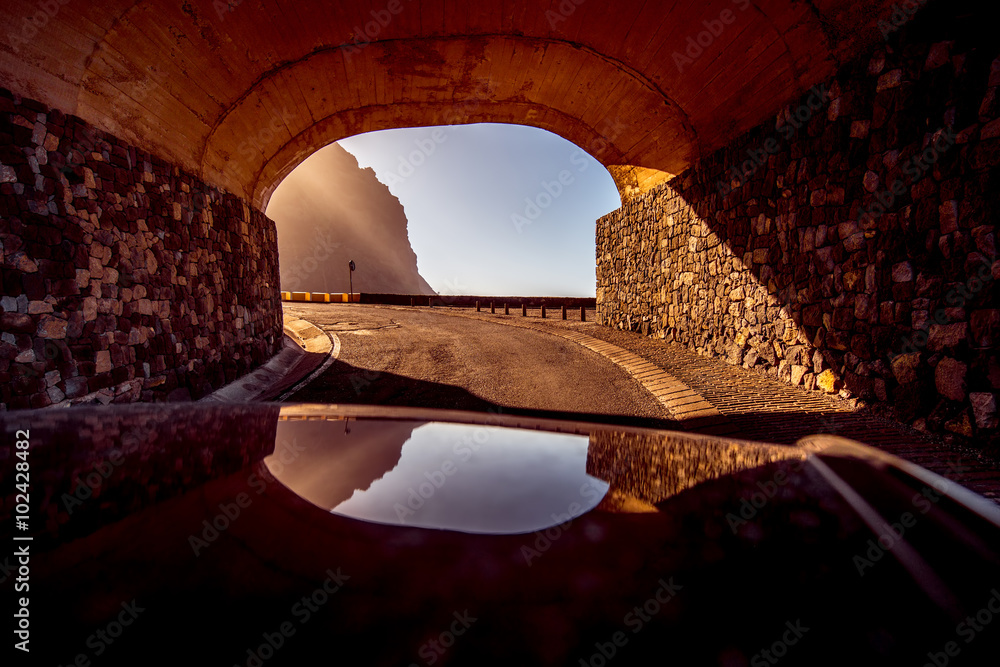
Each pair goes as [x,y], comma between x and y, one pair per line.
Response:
[847,246]
[123,277]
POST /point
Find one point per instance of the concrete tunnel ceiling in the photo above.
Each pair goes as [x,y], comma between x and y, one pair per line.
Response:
[239,94]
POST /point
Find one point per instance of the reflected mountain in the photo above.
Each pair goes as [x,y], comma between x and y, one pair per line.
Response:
[326,461]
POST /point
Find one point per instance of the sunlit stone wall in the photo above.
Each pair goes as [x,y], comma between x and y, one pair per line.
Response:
[848,246]
[124,278]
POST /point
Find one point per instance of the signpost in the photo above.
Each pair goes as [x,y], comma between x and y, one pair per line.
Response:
[350,297]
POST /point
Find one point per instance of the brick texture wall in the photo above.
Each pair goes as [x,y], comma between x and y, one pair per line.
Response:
[123,277]
[848,245]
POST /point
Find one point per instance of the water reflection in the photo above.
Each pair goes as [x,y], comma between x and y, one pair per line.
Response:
[492,479]
[474,479]
[645,469]
[325,461]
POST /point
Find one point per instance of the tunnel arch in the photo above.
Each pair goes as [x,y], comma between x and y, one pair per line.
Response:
[460,95]
[191,83]
[596,143]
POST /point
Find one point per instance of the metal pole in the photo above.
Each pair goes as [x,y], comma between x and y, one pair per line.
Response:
[350,278]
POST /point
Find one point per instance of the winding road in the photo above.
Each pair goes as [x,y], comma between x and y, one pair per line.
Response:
[422,358]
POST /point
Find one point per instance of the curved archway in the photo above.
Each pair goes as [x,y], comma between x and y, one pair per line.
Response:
[460,95]
[198,85]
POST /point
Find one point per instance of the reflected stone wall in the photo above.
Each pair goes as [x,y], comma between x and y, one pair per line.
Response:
[654,467]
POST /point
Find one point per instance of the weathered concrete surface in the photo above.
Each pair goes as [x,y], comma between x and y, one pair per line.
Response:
[238,93]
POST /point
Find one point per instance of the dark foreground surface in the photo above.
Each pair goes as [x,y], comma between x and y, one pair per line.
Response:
[162,535]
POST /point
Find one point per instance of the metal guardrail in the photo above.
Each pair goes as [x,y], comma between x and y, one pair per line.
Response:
[563,303]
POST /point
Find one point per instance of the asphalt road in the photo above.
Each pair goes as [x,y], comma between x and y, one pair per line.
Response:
[423,357]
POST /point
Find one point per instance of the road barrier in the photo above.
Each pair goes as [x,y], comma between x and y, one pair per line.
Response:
[449,301]
[322,297]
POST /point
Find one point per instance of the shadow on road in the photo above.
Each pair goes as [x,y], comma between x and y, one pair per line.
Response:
[344,383]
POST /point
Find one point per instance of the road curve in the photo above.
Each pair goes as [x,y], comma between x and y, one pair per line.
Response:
[423,358]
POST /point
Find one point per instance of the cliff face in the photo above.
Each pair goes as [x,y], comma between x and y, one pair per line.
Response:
[329,211]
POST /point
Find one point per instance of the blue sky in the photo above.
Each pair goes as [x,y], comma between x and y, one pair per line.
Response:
[494,209]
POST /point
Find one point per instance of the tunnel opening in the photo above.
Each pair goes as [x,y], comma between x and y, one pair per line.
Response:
[487,209]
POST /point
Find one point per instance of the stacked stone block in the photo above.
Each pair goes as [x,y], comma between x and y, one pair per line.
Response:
[124,278]
[852,252]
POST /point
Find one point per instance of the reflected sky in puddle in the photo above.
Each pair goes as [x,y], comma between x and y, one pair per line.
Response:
[482,480]
[474,479]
